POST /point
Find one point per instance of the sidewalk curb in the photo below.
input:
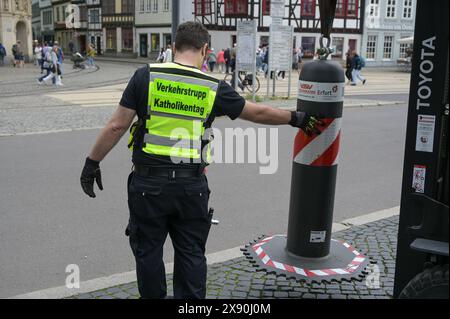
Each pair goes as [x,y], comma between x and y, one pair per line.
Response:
[214,258]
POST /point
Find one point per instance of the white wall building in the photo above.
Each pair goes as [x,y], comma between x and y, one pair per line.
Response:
[153,20]
[386,22]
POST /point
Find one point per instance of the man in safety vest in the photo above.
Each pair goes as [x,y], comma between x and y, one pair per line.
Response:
[168,192]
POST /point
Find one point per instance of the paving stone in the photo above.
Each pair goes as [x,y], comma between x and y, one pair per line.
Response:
[294,294]
[254,293]
[258,287]
[121,295]
[280,294]
[338,296]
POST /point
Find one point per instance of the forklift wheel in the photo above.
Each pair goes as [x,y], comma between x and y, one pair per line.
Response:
[432,283]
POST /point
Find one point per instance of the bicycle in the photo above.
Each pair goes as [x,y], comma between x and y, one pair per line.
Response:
[245,81]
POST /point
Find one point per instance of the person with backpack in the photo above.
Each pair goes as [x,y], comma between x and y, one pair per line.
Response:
[2,54]
[357,64]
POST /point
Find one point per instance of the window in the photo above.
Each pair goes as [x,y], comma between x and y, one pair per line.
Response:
[309,8]
[338,44]
[203,7]
[155,6]
[94,16]
[407,9]
[111,38]
[6,5]
[166,5]
[141,6]
[83,13]
[47,17]
[371,47]
[374,8]
[108,6]
[347,8]
[236,8]
[390,8]
[266,8]
[340,8]
[403,50]
[308,46]
[387,48]
[128,6]
[149,6]
[352,8]
[154,38]
[127,39]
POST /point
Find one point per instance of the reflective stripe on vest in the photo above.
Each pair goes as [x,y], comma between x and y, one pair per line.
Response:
[180,102]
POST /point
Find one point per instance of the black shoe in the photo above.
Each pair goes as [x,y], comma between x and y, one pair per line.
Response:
[364,82]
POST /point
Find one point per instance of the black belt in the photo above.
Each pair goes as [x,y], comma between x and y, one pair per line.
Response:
[167,172]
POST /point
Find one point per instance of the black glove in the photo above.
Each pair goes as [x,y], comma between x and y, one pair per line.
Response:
[91,172]
[309,124]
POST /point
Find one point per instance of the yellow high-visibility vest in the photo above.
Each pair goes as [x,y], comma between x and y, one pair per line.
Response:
[180,103]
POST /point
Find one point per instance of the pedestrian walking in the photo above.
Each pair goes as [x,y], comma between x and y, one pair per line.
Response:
[259,63]
[227,57]
[168,192]
[71,47]
[60,55]
[18,55]
[38,55]
[54,68]
[349,67]
[357,65]
[168,57]
[162,56]
[2,54]
[221,61]
[212,60]
[90,54]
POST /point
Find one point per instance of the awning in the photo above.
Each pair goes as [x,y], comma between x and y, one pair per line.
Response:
[409,40]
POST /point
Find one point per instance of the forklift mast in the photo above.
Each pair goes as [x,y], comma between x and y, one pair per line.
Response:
[424,215]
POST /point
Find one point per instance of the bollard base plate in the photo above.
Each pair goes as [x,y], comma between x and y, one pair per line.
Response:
[344,263]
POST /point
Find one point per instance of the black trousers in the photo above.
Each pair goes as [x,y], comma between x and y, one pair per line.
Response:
[348,74]
[179,208]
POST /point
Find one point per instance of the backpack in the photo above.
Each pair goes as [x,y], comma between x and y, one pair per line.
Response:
[2,51]
[14,49]
[363,62]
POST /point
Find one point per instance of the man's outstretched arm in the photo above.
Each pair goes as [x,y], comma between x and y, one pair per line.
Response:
[110,135]
[264,114]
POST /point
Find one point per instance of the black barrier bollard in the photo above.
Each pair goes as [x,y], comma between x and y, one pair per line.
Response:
[308,253]
[321,93]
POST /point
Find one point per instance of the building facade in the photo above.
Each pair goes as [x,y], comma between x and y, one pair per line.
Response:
[36,20]
[70,24]
[387,21]
[221,16]
[15,25]
[118,27]
[153,21]
[47,27]
[94,29]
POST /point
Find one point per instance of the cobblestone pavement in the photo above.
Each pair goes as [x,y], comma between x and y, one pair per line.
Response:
[237,279]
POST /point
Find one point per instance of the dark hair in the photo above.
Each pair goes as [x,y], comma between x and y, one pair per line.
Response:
[191,36]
